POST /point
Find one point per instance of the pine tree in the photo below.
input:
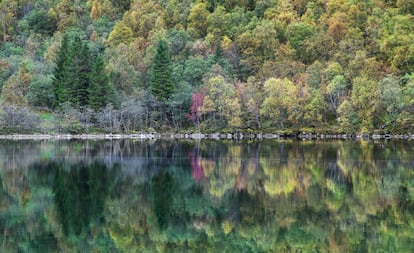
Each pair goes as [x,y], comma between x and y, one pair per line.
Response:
[78,73]
[162,86]
[61,72]
[100,90]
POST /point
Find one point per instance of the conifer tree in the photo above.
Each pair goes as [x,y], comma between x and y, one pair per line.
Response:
[162,86]
[61,72]
[100,90]
[78,73]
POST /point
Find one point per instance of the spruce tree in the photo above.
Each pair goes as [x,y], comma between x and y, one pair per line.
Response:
[161,83]
[60,72]
[100,90]
[79,70]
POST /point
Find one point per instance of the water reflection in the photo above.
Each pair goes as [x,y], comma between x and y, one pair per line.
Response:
[162,186]
[80,191]
[132,196]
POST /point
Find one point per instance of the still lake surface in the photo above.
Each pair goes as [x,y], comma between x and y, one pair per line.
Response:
[208,196]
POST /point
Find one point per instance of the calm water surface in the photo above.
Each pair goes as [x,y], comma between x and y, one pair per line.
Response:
[209,196]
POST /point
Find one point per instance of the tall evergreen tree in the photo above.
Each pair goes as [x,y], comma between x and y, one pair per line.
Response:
[100,90]
[61,72]
[79,71]
[162,86]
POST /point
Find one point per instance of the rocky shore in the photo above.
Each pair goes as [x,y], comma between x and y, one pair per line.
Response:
[210,136]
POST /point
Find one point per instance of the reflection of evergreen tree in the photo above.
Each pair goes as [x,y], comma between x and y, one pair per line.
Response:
[251,208]
[45,242]
[405,202]
[80,193]
[162,195]
[341,202]
[1,187]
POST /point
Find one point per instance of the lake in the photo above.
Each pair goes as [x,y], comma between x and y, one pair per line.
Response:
[207,196]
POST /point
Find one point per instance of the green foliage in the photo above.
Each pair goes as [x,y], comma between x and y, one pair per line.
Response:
[335,90]
[79,79]
[364,99]
[80,194]
[161,82]
[176,13]
[298,34]
[40,22]
[197,20]
[221,104]
[60,72]
[217,23]
[122,74]
[391,100]
[332,51]
[39,94]
[162,187]
[7,18]
[79,71]
[405,6]
[194,70]
[100,91]
[179,40]
[120,34]
[277,100]
[15,88]
[178,104]
[121,4]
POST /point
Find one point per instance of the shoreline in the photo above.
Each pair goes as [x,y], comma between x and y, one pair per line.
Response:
[209,136]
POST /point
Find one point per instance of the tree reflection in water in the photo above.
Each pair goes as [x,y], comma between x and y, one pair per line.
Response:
[162,188]
[80,193]
[130,196]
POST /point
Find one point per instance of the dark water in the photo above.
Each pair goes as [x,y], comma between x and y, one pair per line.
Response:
[133,196]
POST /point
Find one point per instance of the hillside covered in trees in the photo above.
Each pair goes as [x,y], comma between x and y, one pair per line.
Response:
[214,65]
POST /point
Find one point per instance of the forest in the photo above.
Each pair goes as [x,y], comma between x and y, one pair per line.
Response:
[125,66]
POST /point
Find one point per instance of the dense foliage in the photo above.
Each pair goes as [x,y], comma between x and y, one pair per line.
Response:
[133,65]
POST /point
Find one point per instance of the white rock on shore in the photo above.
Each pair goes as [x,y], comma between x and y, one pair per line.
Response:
[199,136]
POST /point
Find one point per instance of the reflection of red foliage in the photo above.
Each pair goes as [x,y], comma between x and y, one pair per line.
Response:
[240,182]
[196,168]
